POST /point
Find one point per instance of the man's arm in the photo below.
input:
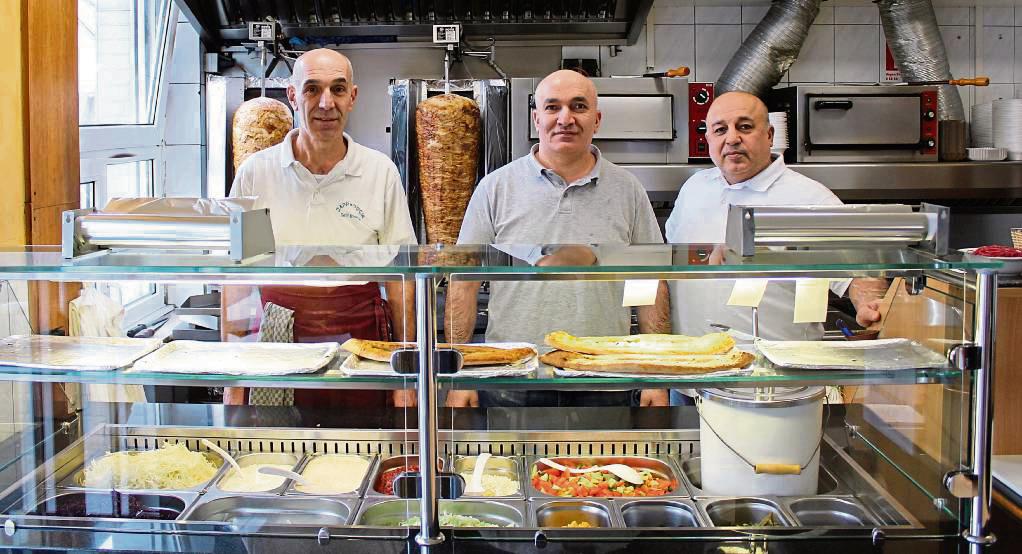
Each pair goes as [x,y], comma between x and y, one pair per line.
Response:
[866,295]
[401,301]
[459,322]
[656,319]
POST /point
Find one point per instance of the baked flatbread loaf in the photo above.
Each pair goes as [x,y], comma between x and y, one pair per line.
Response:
[472,354]
[649,363]
[674,345]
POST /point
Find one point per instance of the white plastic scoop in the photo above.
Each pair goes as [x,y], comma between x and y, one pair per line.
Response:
[280,472]
[621,470]
[223,454]
[476,485]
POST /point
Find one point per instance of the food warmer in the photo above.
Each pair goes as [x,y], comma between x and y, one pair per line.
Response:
[903,463]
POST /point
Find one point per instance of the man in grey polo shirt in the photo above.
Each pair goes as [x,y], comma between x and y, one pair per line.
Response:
[563,192]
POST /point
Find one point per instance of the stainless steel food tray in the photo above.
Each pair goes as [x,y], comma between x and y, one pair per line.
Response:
[662,467]
[359,491]
[76,480]
[244,460]
[744,511]
[73,353]
[388,463]
[257,513]
[508,466]
[557,514]
[388,512]
[866,355]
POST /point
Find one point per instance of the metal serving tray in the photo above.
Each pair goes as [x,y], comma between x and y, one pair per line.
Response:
[739,511]
[96,504]
[508,466]
[292,489]
[559,513]
[76,480]
[246,460]
[391,463]
[691,470]
[829,511]
[388,513]
[672,513]
[660,467]
[253,513]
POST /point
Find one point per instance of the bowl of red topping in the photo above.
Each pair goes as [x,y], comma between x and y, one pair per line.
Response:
[1010,257]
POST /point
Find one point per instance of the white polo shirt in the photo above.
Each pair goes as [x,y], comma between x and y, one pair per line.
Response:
[359,202]
[700,216]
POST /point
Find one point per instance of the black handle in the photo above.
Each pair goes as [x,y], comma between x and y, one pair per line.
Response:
[832,105]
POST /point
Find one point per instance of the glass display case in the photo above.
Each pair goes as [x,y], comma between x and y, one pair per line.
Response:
[838,444]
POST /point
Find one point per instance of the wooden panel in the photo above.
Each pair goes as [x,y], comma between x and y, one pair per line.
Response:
[50,53]
[50,81]
[13,222]
[1008,373]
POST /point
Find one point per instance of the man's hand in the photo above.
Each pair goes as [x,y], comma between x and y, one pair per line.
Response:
[405,398]
[654,397]
[462,399]
[570,255]
[866,295]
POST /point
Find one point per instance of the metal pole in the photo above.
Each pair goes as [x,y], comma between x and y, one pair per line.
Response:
[262,69]
[425,306]
[986,320]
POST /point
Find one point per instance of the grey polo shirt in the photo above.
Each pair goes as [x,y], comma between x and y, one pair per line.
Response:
[524,203]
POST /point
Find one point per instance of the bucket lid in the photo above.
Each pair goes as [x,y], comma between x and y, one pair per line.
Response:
[764,397]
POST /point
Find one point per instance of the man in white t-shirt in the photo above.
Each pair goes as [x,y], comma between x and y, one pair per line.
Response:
[740,136]
[324,189]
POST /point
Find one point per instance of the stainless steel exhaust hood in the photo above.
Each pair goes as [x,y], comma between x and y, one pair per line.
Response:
[224,22]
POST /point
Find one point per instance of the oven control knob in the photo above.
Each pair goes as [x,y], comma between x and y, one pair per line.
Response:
[701,128]
[701,97]
[930,143]
[929,115]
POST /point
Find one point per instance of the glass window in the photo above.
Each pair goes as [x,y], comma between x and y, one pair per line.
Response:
[128,180]
[120,46]
[87,195]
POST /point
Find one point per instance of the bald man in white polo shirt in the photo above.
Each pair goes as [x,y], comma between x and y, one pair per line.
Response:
[325,189]
[740,136]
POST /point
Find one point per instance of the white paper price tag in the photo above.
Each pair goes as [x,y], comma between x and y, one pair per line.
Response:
[811,300]
[640,292]
[748,292]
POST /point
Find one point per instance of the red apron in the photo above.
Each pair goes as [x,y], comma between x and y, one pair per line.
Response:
[324,314]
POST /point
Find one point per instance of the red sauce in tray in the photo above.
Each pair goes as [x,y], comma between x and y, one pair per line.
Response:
[385,482]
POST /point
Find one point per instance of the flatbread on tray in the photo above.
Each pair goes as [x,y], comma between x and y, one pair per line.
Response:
[472,354]
[673,345]
[649,363]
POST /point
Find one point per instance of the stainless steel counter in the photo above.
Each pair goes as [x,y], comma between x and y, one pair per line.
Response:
[872,181]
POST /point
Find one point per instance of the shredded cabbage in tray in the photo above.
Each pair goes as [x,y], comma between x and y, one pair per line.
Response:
[172,466]
[450,520]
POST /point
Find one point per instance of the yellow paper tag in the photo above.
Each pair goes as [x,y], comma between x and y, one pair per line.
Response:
[811,300]
[640,292]
[748,292]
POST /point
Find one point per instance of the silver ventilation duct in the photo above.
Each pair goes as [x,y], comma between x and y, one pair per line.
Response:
[914,38]
[770,49]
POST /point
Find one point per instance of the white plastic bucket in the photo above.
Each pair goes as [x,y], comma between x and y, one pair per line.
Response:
[774,430]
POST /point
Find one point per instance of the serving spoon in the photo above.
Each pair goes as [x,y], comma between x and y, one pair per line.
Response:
[621,470]
[288,474]
[223,454]
[476,485]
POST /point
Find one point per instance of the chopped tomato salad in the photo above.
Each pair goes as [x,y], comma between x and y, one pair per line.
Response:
[598,483]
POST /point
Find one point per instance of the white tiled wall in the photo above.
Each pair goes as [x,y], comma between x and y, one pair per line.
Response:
[845,45]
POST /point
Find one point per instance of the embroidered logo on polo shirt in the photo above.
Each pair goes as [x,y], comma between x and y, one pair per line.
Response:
[350,210]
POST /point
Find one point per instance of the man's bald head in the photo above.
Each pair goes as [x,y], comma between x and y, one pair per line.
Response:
[739,134]
[566,115]
[319,59]
[323,92]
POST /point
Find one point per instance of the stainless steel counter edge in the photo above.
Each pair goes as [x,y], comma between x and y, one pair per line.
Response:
[894,181]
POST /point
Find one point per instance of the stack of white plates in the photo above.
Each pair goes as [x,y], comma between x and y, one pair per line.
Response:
[1007,124]
[987,154]
[981,125]
[779,120]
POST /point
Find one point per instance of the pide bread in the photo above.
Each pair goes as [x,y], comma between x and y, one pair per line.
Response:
[649,363]
[472,354]
[670,345]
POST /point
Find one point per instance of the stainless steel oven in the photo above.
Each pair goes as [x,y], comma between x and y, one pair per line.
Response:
[859,123]
[644,122]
